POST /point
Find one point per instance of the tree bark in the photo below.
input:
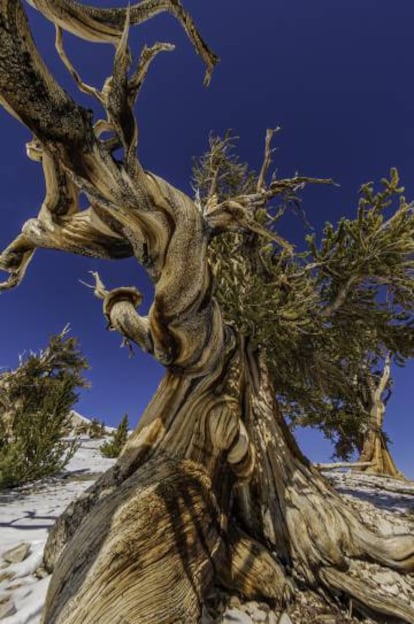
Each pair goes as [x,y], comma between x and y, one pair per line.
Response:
[257,527]
[211,488]
[375,451]
[374,446]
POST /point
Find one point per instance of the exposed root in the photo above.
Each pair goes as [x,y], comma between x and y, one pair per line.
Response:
[367,595]
[396,552]
[339,465]
[253,571]
[148,550]
[327,539]
[314,531]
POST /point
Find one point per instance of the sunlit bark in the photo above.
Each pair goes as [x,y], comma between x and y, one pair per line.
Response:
[375,449]
[211,487]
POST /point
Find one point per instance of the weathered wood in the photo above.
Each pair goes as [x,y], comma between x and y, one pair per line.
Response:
[375,451]
[146,552]
[211,486]
[337,465]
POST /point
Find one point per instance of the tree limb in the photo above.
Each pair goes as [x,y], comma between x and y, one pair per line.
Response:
[341,297]
[337,465]
[130,209]
[106,25]
[51,115]
[119,308]
[82,86]
[261,182]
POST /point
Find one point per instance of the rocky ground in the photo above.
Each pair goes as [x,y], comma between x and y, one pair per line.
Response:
[27,513]
[387,506]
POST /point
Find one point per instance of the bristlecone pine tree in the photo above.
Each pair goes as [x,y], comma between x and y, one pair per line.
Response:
[211,488]
[354,423]
[374,449]
[35,403]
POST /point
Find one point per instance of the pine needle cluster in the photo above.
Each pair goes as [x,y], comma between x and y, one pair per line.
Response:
[35,403]
[112,448]
[318,314]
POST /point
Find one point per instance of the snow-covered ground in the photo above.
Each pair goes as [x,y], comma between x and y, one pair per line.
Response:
[27,513]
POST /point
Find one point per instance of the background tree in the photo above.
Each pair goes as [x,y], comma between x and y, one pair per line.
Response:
[97,429]
[355,426]
[36,399]
[211,487]
[376,384]
[112,448]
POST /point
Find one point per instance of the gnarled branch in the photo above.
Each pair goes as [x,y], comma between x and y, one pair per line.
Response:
[107,25]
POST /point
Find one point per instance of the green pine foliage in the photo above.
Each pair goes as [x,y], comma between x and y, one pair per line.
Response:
[35,403]
[112,448]
[317,313]
[97,429]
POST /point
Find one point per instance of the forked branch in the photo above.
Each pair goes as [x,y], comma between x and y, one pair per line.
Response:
[85,88]
[119,307]
[106,25]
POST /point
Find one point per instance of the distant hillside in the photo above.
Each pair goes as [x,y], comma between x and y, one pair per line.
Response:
[81,425]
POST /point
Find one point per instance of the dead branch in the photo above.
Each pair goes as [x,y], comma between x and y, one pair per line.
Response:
[267,160]
[107,25]
[337,465]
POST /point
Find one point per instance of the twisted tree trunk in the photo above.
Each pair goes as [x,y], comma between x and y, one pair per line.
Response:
[255,518]
[376,454]
[375,451]
[211,488]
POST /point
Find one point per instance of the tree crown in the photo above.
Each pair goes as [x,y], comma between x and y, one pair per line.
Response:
[327,315]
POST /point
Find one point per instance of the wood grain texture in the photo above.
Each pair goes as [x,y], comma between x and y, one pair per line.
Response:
[211,487]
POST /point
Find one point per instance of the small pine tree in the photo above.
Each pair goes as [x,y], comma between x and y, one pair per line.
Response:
[36,399]
[96,429]
[114,447]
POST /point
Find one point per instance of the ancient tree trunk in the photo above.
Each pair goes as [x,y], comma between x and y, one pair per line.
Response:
[211,488]
[375,449]
[264,522]
[158,529]
[376,454]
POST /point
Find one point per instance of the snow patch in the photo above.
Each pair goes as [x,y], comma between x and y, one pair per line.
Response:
[27,514]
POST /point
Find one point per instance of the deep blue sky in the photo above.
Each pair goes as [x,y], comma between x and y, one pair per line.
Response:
[337,75]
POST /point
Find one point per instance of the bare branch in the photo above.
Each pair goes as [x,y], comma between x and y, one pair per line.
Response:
[238,213]
[231,215]
[116,98]
[338,465]
[59,225]
[119,309]
[61,200]
[103,125]
[83,233]
[107,25]
[85,88]
[146,58]
[15,259]
[295,184]
[99,289]
[385,377]
[261,182]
